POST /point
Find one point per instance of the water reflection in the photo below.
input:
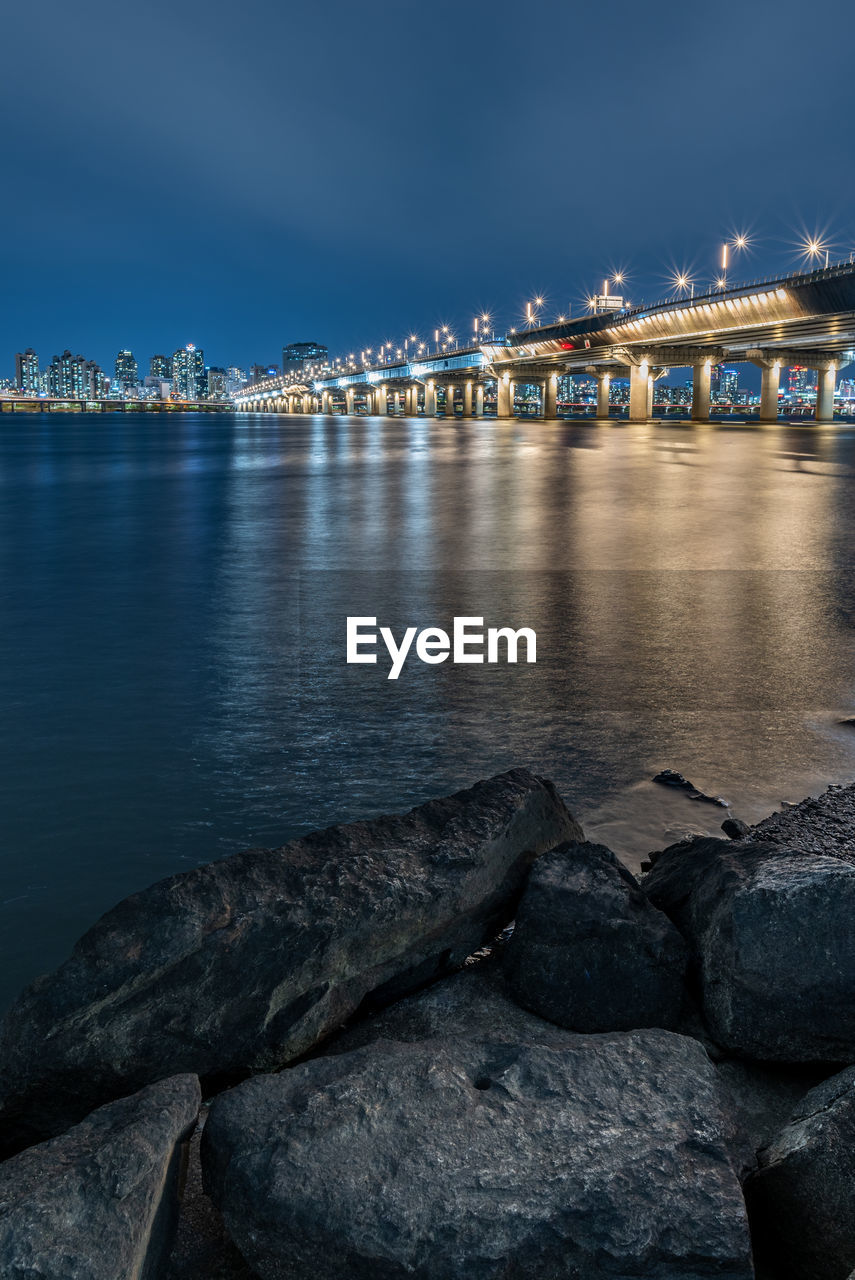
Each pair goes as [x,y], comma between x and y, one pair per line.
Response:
[172,632]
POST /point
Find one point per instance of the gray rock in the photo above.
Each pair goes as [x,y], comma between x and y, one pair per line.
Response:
[736,828]
[447,1159]
[589,951]
[819,824]
[100,1202]
[245,964]
[772,932]
[671,778]
[802,1198]
[473,1003]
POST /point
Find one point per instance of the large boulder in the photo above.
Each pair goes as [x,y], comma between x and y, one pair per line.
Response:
[589,951]
[802,1198]
[478,1160]
[244,964]
[771,930]
[100,1202]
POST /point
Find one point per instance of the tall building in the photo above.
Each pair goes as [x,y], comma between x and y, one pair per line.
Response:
[235,379]
[127,375]
[297,357]
[97,381]
[27,370]
[802,382]
[259,372]
[160,367]
[189,380]
[68,377]
[217,383]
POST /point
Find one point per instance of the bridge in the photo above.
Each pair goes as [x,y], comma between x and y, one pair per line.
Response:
[54,404]
[805,319]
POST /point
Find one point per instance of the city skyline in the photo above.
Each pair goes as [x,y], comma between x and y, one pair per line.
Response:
[373,191]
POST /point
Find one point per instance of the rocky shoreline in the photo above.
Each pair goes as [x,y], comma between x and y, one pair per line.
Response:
[644,1078]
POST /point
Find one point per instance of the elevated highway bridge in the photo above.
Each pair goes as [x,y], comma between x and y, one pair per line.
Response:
[806,319]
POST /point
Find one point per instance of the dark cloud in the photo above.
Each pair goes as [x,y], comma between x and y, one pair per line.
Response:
[243,174]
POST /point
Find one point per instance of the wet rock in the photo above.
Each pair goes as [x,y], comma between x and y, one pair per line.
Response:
[446,1159]
[771,931]
[801,1198]
[735,828]
[589,951]
[819,824]
[100,1202]
[246,963]
[671,778]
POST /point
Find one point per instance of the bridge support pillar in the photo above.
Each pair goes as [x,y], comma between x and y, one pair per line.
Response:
[396,402]
[550,396]
[349,397]
[430,399]
[504,397]
[701,391]
[325,401]
[449,402]
[467,399]
[604,383]
[770,378]
[825,394]
[381,402]
[640,392]
[479,400]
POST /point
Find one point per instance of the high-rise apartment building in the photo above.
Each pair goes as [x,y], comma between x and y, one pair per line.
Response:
[27,370]
[160,367]
[127,374]
[217,384]
[299,356]
[189,380]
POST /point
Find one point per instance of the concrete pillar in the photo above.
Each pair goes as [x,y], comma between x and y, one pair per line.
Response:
[479,400]
[381,402]
[325,401]
[430,399]
[604,383]
[449,402]
[467,399]
[349,398]
[640,392]
[504,401]
[769,380]
[701,391]
[550,396]
[826,380]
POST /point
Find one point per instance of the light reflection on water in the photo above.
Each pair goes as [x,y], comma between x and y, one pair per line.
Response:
[173,593]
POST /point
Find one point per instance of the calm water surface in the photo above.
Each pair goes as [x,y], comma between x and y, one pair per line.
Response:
[173,594]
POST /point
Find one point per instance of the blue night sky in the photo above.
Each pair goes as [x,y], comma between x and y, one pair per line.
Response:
[243,175]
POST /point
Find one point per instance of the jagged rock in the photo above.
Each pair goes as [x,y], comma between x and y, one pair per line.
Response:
[244,964]
[802,1197]
[771,929]
[450,1159]
[100,1202]
[589,951]
[819,824]
[736,829]
[671,778]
